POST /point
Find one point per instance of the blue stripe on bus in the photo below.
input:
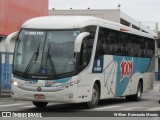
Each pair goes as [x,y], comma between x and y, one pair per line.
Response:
[48,83]
[138,65]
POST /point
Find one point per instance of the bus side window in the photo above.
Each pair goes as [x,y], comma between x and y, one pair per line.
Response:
[86,51]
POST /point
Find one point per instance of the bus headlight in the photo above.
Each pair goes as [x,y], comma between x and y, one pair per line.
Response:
[15,83]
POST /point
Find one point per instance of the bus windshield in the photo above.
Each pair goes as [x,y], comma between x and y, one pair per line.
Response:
[45,52]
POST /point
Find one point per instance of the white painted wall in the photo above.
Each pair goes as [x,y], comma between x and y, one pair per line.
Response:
[111,15]
[2,45]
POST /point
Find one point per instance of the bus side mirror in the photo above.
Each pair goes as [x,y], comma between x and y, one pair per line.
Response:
[78,41]
[10,39]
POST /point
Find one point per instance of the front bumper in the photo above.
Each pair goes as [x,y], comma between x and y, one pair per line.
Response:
[63,96]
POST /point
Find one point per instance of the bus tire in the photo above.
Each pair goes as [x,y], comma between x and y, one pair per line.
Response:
[137,96]
[95,97]
[40,104]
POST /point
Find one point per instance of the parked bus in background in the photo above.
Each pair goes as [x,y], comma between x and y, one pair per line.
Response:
[80,59]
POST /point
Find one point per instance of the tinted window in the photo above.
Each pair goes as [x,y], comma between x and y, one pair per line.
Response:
[113,42]
[87,46]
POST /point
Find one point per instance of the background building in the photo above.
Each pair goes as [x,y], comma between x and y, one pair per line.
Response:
[13,13]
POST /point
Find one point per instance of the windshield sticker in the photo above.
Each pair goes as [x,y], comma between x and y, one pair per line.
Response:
[74,34]
[34,33]
[44,71]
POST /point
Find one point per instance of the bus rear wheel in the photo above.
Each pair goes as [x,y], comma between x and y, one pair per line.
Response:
[95,97]
[40,104]
[137,96]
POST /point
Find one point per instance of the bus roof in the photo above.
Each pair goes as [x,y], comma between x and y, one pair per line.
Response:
[74,22]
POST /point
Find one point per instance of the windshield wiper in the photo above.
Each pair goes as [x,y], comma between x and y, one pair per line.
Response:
[30,64]
[50,59]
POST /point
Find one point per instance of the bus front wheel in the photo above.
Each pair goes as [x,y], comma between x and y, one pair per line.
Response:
[95,97]
[40,104]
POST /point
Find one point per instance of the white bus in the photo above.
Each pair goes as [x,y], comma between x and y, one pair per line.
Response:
[80,59]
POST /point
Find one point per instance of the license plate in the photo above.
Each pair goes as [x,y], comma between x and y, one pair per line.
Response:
[39,96]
